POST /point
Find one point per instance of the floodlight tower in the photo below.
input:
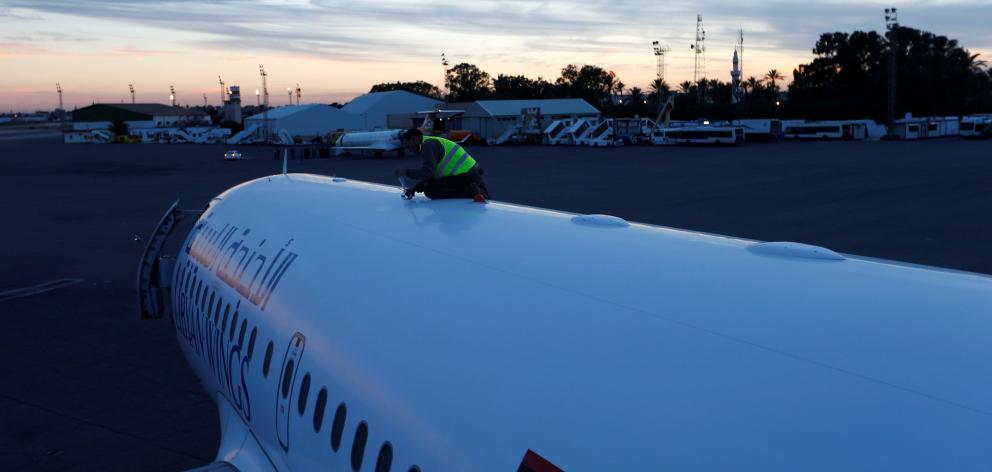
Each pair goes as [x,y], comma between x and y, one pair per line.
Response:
[131,88]
[223,90]
[299,93]
[444,76]
[699,49]
[258,99]
[172,95]
[58,88]
[265,101]
[659,54]
[289,94]
[892,25]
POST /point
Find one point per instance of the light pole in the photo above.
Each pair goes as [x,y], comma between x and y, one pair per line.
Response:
[172,95]
[131,88]
[289,94]
[258,98]
[892,25]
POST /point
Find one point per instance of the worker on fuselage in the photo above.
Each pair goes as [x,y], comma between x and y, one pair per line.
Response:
[447,169]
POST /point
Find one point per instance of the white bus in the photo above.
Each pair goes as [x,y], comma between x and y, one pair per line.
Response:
[825,130]
[699,135]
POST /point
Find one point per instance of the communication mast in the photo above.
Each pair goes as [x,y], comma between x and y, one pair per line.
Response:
[299,93]
[699,50]
[172,95]
[223,90]
[131,88]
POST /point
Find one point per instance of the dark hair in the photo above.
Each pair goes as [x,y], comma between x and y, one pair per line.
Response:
[412,133]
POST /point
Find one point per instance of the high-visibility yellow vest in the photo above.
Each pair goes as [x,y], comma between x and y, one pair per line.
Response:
[456,160]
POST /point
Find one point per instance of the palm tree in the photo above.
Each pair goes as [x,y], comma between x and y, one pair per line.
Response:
[753,83]
[636,95]
[685,87]
[772,76]
[744,86]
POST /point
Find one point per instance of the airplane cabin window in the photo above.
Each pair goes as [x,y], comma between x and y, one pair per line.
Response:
[318,410]
[223,326]
[385,460]
[287,378]
[337,428]
[241,335]
[358,446]
[220,303]
[301,404]
[267,361]
[234,324]
[251,343]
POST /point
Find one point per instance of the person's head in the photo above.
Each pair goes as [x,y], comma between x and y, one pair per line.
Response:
[412,139]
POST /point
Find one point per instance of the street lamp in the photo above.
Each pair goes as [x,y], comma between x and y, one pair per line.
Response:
[258,98]
[289,93]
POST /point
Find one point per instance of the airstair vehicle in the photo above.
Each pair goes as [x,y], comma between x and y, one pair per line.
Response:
[976,126]
[579,130]
[557,132]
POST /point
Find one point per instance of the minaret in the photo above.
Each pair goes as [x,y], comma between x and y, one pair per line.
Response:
[735,79]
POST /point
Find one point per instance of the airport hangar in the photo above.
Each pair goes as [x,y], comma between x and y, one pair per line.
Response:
[306,121]
[490,118]
[136,115]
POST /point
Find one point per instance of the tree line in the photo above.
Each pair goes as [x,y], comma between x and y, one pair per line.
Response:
[847,78]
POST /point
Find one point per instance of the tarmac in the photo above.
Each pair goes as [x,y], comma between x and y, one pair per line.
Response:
[87,385]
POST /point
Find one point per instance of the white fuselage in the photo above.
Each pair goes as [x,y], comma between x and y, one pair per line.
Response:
[464,334]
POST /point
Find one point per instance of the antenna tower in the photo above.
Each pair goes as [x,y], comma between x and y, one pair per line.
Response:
[699,49]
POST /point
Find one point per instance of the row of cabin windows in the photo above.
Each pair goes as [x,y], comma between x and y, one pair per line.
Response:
[213,310]
[204,298]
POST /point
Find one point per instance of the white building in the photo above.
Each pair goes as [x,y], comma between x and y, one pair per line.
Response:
[306,121]
[373,108]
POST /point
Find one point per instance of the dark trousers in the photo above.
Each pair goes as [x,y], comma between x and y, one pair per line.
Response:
[458,186]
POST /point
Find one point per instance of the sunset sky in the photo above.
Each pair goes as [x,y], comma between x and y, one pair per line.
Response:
[338,49]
